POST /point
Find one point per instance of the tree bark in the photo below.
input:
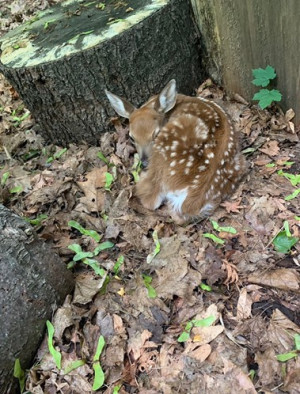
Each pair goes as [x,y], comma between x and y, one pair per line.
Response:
[61,63]
[243,35]
[33,281]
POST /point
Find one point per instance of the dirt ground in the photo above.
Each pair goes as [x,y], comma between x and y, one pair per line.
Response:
[202,308]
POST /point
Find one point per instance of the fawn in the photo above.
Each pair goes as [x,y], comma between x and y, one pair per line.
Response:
[192,149]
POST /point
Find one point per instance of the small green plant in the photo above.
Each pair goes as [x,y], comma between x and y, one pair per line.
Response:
[91,233]
[99,374]
[220,229]
[117,389]
[293,195]
[4,178]
[118,264]
[147,282]
[31,154]
[295,180]
[214,238]
[184,336]
[109,178]
[262,77]
[204,287]
[284,241]
[136,168]
[252,374]
[55,353]
[151,256]
[73,365]
[19,119]
[86,257]
[19,374]
[292,354]
[16,190]
[38,220]
[56,155]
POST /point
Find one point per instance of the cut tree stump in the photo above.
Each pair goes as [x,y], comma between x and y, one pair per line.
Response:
[33,282]
[61,61]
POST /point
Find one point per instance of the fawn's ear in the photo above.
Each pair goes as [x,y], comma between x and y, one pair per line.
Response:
[121,106]
[167,98]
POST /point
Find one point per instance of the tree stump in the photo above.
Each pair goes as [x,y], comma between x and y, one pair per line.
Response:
[62,60]
[33,281]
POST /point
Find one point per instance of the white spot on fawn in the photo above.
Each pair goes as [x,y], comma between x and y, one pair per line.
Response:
[173,163]
[210,155]
[177,198]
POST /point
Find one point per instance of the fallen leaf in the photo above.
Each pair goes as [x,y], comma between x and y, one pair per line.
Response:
[200,353]
[238,378]
[269,369]
[94,198]
[231,270]
[86,287]
[244,305]
[289,115]
[270,148]
[233,206]
[292,381]
[136,343]
[285,279]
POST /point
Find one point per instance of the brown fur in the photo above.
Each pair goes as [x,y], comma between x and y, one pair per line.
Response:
[191,148]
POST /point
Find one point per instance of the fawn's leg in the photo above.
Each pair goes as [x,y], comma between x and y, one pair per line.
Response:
[148,190]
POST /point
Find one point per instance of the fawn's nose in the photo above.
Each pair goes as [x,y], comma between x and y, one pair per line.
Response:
[144,162]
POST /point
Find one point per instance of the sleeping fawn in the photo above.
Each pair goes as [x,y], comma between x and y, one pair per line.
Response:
[191,150]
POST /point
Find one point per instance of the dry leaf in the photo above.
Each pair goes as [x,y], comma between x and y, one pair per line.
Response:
[244,305]
[136,343]
[204,335]
[289,115]
[87,286]
[94,197]
[200,353]
[231,270]
[285,279]
[233,206]
[270,148]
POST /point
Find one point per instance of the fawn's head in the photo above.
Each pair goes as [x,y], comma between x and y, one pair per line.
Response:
[146,122]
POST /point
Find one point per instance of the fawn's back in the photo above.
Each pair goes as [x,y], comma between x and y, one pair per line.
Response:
[192,149]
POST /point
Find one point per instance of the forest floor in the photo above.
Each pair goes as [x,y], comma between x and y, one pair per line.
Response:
[231,299]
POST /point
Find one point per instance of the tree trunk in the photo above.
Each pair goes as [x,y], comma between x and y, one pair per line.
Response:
[61,63]
[33,281]
[243,35]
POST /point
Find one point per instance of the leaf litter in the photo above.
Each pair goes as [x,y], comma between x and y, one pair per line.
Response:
[254,289]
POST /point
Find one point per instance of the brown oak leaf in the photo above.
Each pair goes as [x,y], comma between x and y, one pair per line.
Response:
[233,206]
[270,148]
